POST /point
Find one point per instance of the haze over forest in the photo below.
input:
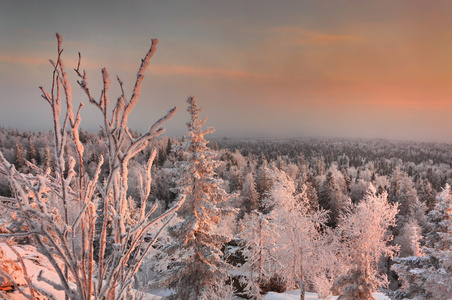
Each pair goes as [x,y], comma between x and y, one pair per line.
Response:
[259,68]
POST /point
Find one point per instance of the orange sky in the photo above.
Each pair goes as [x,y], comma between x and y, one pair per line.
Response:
[260,68]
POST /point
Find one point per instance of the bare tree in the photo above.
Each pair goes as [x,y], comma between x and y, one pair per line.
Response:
[60,210]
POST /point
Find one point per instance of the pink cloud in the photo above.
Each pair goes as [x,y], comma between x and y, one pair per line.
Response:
[303,36]
[22,60]
[202,71]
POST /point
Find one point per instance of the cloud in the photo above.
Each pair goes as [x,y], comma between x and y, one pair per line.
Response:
[301,36]
[204,71]
[35,61]
[22,60]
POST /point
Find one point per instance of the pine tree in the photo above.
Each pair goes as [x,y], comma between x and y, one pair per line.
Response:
[31,153]
[249,195]
[320,166]
[396,181]
[263,181]
[438,278]
[426,194]
[235,179]
[169,149]
[403,192]
[440,222]
[19,159]
[409,239]
[311,195]
[161,156]
[333,195]
[430,276]
[198,271]
[47,159]
[327,192]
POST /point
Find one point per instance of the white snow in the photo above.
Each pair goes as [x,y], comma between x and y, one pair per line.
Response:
[34,262]
[295,295]
[289,295]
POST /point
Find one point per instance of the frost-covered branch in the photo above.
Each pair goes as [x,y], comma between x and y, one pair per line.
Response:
[60,209]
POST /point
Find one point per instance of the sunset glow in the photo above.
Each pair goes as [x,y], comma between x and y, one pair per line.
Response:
[259,68]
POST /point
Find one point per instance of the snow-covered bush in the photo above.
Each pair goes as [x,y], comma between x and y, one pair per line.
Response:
[59,209]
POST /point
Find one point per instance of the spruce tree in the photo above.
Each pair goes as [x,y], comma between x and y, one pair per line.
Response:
[263,183]
[426,194]
[333,196]
[327,192]
[249,195]
[198,270]
[31,153]
[19,159]
[47,159]
[430,276]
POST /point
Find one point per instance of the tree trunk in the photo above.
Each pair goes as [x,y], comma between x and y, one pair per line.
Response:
[302,283]
[302,287]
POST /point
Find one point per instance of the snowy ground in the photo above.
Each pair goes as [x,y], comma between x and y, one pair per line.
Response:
[289,295]
[295,295]
[35,262]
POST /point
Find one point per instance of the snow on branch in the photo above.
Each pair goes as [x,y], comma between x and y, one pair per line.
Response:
[61,209]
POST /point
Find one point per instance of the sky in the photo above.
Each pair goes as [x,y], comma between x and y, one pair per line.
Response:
[260,68]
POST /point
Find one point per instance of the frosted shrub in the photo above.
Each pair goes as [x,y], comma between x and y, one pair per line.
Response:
[60,210]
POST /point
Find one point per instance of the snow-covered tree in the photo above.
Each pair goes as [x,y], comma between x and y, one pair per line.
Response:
[409,239]
[403,192]
[249,195]
[440,222]
[263,181]
[439,281]
[358,189]
[198,270]
[311,194]
[333,195]
[320,166]
[430,276]
[235,179]
[31,153]
[426,193]
[261,239]
[412,273]
[19,157]
[298,228]
[365,231]
[328,262]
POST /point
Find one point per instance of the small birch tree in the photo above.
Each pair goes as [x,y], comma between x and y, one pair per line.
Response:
[59,210]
